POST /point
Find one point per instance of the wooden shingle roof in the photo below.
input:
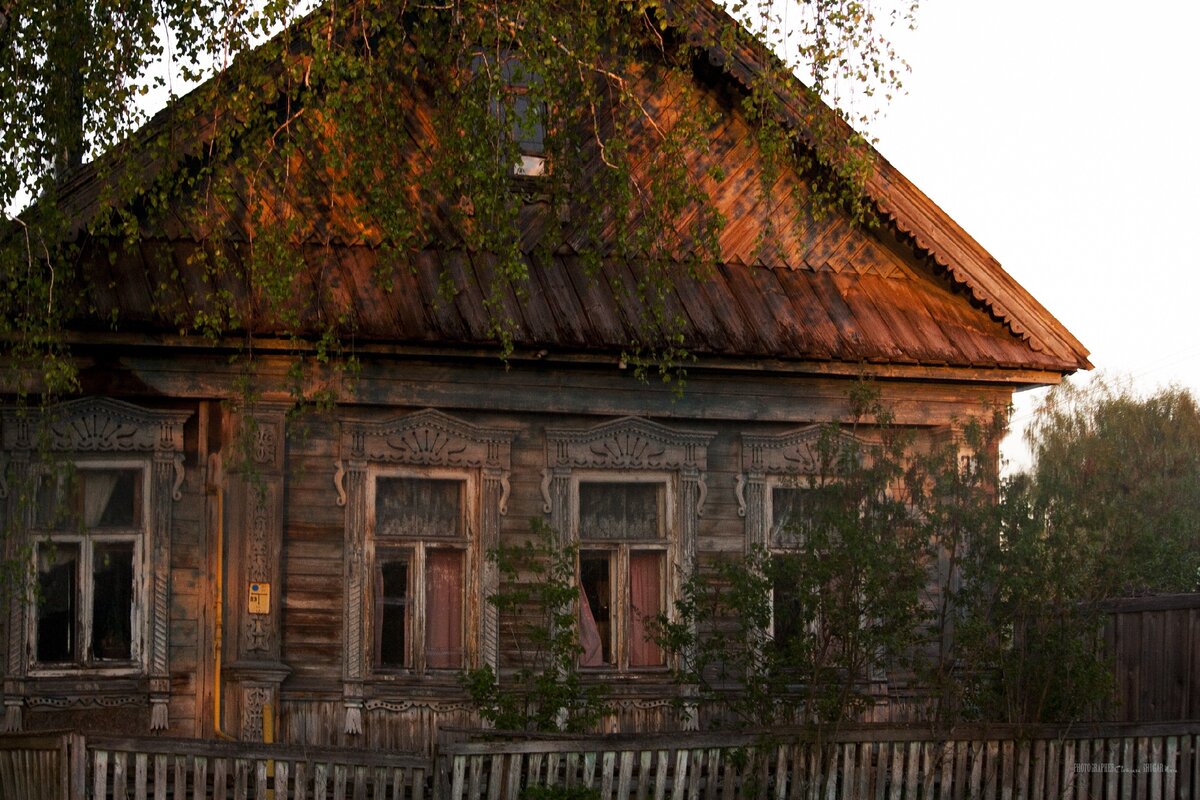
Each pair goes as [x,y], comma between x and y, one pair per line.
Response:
[916,290]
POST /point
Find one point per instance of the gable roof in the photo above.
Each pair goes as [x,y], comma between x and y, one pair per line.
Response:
[920,291]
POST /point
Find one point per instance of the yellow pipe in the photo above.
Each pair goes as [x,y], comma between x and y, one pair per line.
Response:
[268,713]
[219,627]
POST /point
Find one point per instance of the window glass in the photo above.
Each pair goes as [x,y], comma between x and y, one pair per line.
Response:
[418,508]
[392,608]
[595,570]
[57,601]
[620,511]
[112,601]
[90,499]
[790,511]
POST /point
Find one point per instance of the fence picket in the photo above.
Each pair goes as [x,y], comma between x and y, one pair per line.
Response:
[495,778]
[897,777]
[140,769]
[625,778]
[100,774]
[514,776]
[849,765]
[1171,768]
[660,776]
[320,781]
[608,762]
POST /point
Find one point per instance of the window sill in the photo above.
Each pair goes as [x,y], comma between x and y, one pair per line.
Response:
[106,671]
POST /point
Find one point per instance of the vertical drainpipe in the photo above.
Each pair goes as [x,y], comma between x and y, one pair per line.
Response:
[214,489]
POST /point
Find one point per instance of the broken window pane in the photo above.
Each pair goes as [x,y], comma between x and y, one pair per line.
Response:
[112,601]
[392,612]
[613,511]
[418,508]
[58,599]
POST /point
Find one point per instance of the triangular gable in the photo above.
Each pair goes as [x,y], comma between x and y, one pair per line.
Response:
[815,288]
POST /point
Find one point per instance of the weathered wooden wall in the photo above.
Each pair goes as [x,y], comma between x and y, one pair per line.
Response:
[1155,646]
[400,713]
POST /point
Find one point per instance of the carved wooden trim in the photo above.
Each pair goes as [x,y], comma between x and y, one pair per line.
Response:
[258,483]
[764,456]
[101,425]
[427,438]
[632,445]
[95,425]
[628,443]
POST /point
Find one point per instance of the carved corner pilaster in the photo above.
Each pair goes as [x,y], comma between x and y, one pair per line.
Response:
[160,698]
[352,705]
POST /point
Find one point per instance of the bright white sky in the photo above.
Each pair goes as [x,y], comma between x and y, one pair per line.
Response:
[1062,134]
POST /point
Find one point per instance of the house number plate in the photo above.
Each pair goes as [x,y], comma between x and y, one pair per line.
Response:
[260,598]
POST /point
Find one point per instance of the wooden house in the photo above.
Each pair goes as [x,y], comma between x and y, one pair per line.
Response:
[336,578]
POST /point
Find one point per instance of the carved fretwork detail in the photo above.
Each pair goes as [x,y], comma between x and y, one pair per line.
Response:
[258,486]
[632,445]
[797,454]
[629,443]
[426,438]
[264,445]
[254,700]
[257,631]
[91,428]
[97,425]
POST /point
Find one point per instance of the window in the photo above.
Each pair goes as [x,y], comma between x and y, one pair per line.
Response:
[520,114]
[622,569]
[88,533]
[420,546]
[788,513]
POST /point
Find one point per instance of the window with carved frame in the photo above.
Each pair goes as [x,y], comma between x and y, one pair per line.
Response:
[92,485]
[791,497]
[622,528]
[88,534]
[628,494]
[421,532]
[424,494]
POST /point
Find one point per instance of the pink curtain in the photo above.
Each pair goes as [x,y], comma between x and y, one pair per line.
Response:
[645,596]
[443,609]
[589,635]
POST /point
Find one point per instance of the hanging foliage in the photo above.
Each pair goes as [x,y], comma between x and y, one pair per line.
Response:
[508,130]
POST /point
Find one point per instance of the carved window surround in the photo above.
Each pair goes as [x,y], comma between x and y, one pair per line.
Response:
[631,448]
[776,459]
[100,431]
[437,444]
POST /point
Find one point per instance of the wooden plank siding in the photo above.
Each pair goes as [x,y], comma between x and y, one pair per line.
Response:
[1154,644]
[405,714]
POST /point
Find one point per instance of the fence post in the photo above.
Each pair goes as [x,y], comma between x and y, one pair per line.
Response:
[75,768]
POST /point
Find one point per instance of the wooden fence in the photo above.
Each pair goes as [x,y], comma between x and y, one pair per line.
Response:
[39,767]
[1154,643]
[110,768]
[1112,762]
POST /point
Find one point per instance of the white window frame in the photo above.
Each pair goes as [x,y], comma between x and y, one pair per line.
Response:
[85,663]
[621,609]
[468,544]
